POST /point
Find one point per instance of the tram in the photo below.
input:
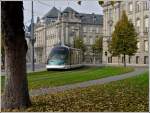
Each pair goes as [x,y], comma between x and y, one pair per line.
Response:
[64,57]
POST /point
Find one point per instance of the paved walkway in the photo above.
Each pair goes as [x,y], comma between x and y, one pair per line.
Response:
[87,83]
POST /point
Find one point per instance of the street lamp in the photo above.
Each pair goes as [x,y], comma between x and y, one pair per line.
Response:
[106,55]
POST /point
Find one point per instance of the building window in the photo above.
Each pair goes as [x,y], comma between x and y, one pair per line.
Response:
[145,5]
[130,7]
[91,41]
[146,24]
[138,45]
[91,29]
[146,45]
[138,24]
[84,29]
[110,13]
[84,40]
[97,30]
[145,59]
[137,6]
[122,59]
[130,59]
[109,59]
[137,59]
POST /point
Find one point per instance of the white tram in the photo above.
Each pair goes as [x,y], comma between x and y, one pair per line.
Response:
[64,57]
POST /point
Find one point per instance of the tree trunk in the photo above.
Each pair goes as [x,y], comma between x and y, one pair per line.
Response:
[3,61]
[118,59]
[124,60]
[16,93]
[16,88]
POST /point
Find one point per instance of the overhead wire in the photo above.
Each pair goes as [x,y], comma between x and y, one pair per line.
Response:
[43,3]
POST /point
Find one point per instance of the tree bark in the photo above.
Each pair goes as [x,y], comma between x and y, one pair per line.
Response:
[16,86]
[16,93]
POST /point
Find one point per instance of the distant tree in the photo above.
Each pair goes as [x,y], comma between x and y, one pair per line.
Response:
[124,38]
[101,2]
[79,2]
[97,47]
[78,43]
[16,93]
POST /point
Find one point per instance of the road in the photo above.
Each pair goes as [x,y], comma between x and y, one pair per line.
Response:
[38,67]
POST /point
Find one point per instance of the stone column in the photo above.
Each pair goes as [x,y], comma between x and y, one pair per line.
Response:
[66,37]
[62,33]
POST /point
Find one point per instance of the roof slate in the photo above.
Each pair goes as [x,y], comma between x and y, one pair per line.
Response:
[85,18]
[53,13]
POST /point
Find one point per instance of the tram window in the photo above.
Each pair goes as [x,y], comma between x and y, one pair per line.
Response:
[59,53]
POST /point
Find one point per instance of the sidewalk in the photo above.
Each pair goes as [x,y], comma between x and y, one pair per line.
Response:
[87,83]
[29,71]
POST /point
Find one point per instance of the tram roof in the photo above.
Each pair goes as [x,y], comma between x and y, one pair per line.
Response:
[66,47]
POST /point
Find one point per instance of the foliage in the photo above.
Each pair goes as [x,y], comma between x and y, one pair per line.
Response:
[57,78]
[78,43]
[124,38]
[98,45]
[129,95]
[101,2]
[79,2]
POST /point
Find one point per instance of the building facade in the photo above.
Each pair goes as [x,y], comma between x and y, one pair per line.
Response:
[138,13]
[63,27]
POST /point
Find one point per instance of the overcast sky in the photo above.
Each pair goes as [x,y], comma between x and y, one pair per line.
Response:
[41,7]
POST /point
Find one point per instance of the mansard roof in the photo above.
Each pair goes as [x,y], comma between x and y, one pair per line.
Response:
[53,13]
[69,9]
[91,18]
[85,18]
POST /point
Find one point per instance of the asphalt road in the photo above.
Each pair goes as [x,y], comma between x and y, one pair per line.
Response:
[38,67]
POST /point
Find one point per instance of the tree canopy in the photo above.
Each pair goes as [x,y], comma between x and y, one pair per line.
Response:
[78,43]
[124,38]
[98,44]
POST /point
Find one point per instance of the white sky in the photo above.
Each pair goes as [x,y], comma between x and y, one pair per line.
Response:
[87,6]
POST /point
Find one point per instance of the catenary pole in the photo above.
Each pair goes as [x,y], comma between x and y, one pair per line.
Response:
[32,39]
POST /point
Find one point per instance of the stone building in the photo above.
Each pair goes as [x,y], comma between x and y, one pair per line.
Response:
[63,27]
[138,13]
[39,34]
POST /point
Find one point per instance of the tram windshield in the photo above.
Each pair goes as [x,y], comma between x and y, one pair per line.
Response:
[58,54]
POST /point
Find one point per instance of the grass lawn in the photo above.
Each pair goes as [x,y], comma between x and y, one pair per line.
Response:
[56,78]
[125,95]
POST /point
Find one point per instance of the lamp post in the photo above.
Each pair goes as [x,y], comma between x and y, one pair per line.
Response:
[32,39]
[106,56]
